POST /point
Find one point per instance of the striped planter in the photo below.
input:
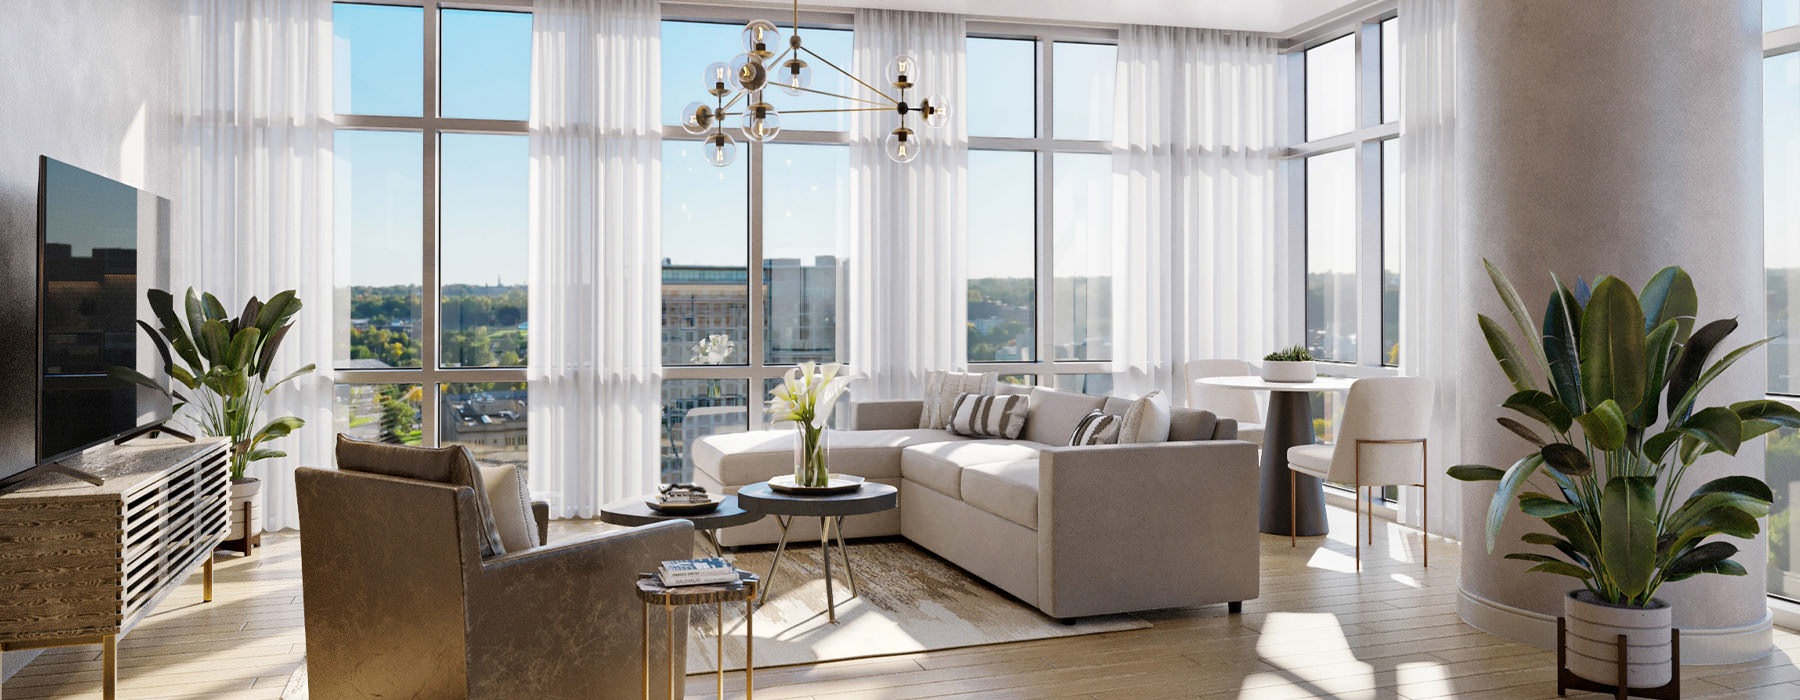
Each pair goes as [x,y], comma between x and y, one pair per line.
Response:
[1592,641]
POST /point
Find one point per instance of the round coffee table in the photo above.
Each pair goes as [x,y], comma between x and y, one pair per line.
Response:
[831,510]
[635,511]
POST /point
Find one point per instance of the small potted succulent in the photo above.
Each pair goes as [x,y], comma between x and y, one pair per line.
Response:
[1606,450]
[1293,364]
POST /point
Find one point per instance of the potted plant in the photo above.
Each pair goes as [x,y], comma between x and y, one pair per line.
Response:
[807,397]
[1293,364]
[224,368]
[1592,380]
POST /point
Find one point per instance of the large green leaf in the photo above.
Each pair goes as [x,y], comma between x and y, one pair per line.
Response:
[1693,393]
[196,317]
[1561,569]
[1659,351]
[1561,346]
[1699,508]
[303,371]
[277,310]
[1762,416]
[1474,472]
[1566,458]
[266,359]
[1542,408]
[210,306]
[1628,528]
[1669,296]
[1561,545]
[1691,361]
[127,374]
[1739,484]
[1658,445]
[1510,485]
[278,428]
[1520,430]
[1538,505]
[1506,354]
[215,341]
[1719,427]
[247,318]
[1604,426]
[1574,527]
[1612,346]
[1704,559]
[243,348]
[1515,305]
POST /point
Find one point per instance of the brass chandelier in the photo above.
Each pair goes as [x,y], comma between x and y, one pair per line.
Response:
[745,78]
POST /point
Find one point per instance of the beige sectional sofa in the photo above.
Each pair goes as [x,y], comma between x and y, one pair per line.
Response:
[1073,531]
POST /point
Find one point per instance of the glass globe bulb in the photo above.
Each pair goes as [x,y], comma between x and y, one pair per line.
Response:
[903,69]
[720,149]
[748,72]
[696,118]
[901,146]
[761,122]
[719,79]
[759,35]
[936,109]
[794,77]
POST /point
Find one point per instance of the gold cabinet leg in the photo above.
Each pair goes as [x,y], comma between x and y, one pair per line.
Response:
[719,639]
[646,607]
[206,579]
[109,666]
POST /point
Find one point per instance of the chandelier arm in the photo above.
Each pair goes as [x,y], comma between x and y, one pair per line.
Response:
[847,74]
[734,100]
[841,97]
[838,110]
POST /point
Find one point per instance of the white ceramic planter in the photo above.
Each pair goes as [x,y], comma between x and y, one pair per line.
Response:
[246,491]
[1286,371]
[1593,630]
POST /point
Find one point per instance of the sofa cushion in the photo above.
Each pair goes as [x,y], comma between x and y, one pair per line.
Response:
[1006,489]
[989,415]
[1191,424]
[1146,420]
[1053,414]
[1096,428]
[939,466]
[738,459]
[444,465]
[941,390]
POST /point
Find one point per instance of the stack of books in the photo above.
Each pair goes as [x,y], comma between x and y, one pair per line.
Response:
[696,572]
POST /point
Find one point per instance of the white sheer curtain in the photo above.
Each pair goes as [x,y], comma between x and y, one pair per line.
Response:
[1434,264]
[595,369]
[1194,212]
[906,306]
[253,215]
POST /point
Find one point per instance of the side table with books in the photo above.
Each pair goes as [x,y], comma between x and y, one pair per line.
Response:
[739,585]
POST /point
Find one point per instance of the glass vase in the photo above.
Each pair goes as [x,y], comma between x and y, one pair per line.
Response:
[809,455]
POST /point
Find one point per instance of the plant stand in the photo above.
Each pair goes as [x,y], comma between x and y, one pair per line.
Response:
[1567,680]
[248,543]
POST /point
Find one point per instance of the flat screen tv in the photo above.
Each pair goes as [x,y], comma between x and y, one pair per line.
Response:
[101,245]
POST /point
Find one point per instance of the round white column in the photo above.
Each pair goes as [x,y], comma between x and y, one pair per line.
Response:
[1610,137]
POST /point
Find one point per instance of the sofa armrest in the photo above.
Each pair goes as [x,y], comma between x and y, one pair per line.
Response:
[1147,526]
[548,620]
[895,414]
[1226,429]
[540,514]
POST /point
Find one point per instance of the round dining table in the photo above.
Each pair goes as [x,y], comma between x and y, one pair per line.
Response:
[1289,422]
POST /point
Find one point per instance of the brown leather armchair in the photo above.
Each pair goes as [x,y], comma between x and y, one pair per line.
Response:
[399,602]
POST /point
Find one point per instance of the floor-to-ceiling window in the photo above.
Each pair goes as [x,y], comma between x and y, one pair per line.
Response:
[1781,227]
[1040,217]
[750,250]
[431,182]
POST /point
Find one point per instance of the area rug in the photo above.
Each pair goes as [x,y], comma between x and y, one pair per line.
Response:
[908,601]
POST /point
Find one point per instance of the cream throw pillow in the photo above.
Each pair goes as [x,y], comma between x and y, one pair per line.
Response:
[941,390]
[511,501]
[1146,420]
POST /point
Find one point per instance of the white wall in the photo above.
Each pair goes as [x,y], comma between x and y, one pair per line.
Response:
[91,83]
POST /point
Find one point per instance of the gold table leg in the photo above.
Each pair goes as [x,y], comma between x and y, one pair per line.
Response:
[646,651]
[669,622]
[780,546]
[749,647]
[825,554]
[206,579]
[719,639]
[109,666]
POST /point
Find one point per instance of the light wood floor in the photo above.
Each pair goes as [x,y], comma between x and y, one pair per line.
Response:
[1319,630]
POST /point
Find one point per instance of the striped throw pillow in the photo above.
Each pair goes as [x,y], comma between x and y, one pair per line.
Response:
[1096,428]
[989,415]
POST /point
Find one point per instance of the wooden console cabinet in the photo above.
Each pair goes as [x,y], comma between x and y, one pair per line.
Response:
[83,564]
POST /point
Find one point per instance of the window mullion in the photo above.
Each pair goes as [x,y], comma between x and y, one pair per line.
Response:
[756,289]
[428,293]
[1045,285]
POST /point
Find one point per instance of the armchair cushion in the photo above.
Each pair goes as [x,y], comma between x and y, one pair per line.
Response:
[511,500]
[444,465]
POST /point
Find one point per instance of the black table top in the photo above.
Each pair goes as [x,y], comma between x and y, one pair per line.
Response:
[634,511]
[871,498]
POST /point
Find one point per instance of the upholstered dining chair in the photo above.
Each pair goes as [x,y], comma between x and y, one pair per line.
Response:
[400,601]
[1381,441]
[1235,404]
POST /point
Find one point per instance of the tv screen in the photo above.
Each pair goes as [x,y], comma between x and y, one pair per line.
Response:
[101,245]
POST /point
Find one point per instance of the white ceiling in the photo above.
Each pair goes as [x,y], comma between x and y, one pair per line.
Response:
[1272,16]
